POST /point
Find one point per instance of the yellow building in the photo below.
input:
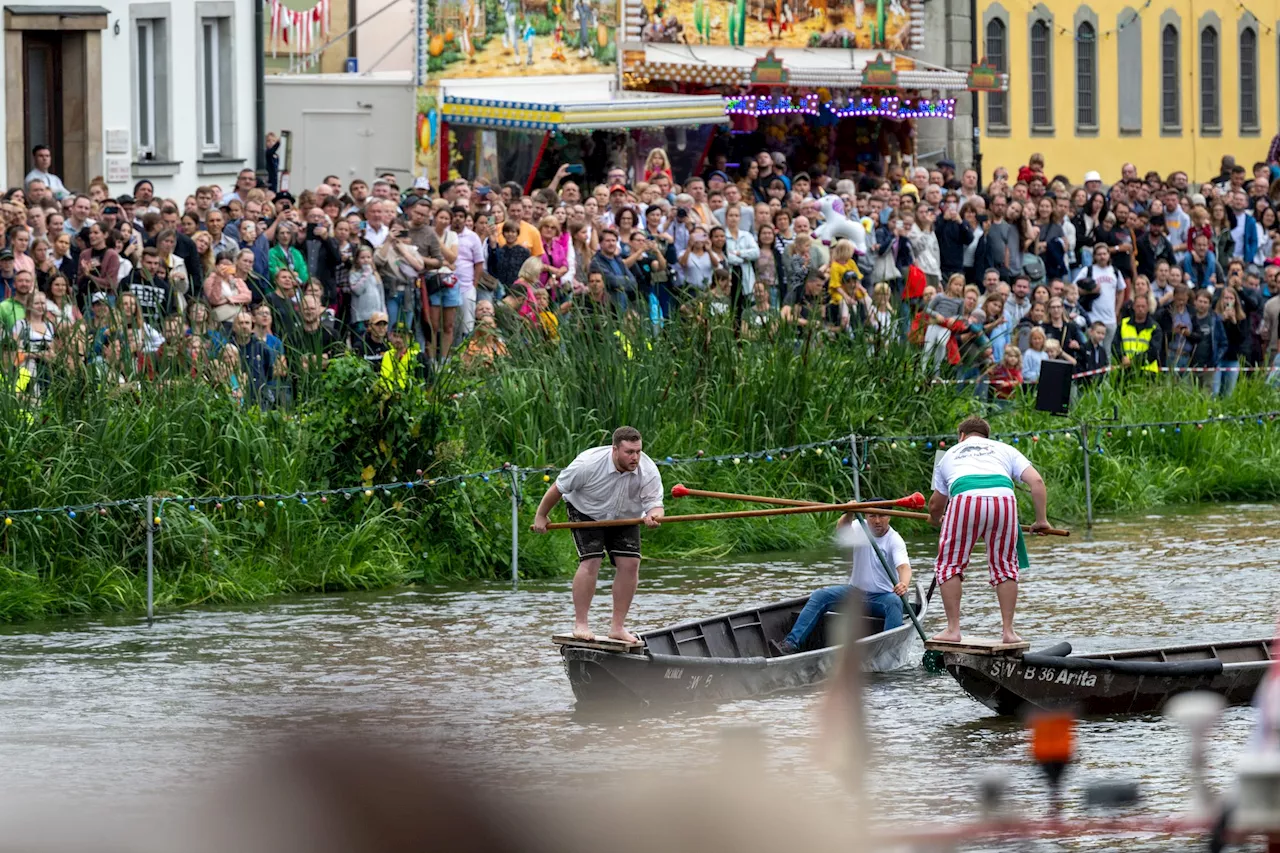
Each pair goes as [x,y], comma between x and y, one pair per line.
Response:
[1165,85]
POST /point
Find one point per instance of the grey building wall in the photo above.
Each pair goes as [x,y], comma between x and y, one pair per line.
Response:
[946,43]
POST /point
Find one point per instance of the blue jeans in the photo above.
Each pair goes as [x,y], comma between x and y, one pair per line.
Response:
[1224,381]
[400,307]
[884,605]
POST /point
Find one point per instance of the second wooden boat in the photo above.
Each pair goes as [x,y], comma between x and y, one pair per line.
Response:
[1121,682]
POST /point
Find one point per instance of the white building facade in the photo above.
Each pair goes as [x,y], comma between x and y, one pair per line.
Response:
[130,90]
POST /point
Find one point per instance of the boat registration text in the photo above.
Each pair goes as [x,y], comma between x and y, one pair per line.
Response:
[1048,674]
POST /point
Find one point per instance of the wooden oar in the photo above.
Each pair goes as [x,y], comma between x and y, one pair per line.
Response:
[912,500]
[680,491]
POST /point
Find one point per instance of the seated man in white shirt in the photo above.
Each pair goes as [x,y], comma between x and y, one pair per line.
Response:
[606,483]
[868,587]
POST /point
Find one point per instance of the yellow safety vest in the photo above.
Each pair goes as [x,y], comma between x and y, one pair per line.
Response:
[1137,343]
[395,372]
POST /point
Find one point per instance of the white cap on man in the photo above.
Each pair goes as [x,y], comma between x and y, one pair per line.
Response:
[1092,176]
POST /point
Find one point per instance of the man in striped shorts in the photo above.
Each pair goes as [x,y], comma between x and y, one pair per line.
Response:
[973,500]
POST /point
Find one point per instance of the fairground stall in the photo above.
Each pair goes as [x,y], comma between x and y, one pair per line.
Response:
[827,83]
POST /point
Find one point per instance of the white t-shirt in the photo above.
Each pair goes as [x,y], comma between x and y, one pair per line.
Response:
[868,575]
[1109,282]
[596,488]
[978,455]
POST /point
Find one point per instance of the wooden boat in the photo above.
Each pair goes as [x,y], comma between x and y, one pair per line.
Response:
[729,657]
[1122,682]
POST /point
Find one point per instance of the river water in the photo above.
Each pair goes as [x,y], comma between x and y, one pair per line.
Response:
[95,711]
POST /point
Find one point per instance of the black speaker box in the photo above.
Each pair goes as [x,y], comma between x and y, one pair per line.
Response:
[1053,393]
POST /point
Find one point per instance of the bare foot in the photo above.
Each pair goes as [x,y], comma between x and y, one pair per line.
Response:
[948,637]
[1010,637]
[581,632]
[624,636]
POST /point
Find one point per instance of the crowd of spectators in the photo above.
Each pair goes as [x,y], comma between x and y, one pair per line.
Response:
[255,289]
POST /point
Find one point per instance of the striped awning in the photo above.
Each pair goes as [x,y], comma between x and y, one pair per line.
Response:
[613,110]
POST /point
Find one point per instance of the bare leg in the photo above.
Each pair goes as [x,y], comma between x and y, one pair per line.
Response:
[446,334]
[625,580]
[434,313]
[951,606]
[584,589]
[1007,595]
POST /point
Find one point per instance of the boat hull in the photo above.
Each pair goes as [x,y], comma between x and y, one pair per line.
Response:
[694,674]
[1134,682]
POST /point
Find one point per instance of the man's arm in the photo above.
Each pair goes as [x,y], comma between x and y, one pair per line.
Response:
[1039,498]
[904,579]
[651,498]
[549,500]
[560,175]
[938,505]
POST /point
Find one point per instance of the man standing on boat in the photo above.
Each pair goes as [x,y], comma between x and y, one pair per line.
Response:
[973,499]
[868,581]
[604,483]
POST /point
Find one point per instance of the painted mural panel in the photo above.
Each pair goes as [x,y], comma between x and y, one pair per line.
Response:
[504,38]
[776,23]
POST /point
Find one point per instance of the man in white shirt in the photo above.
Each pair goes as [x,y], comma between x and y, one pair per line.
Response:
[42,158]
[606,483]
[467,268]
[1111,290]
[78,216]
[376,223]
[973,499]
[733,198]
[245,182]
[881,597]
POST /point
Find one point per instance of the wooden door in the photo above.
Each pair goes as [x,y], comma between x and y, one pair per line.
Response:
[42,93]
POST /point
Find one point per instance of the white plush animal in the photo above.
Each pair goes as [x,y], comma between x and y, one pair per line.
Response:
[836,226]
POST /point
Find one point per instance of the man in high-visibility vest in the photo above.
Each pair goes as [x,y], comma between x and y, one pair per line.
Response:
[403,362]
[1139,341]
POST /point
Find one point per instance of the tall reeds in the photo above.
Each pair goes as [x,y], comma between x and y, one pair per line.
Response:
[695,386]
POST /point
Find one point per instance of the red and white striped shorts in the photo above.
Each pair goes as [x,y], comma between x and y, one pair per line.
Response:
[969,518]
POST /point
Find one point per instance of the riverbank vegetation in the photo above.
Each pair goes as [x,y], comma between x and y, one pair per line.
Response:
[691,389]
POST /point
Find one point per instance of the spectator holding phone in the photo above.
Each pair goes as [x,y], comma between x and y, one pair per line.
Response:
[954,236]
[1175,323]
[698,261]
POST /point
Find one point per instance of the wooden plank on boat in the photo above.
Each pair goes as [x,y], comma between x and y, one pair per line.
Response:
[978,647]
[603,644]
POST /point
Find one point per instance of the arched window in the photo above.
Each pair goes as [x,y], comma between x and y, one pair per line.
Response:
[1210,112]
[998,58]
[1086,77]
[1041,105]
[1129,70]
[1249,80]
[1170,85]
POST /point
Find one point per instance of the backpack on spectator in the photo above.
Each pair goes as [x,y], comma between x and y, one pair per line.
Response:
[1033,268]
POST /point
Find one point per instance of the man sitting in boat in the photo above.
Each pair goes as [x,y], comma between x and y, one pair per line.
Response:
[868,580]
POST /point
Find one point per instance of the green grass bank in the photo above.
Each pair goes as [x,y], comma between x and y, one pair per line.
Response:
[694,388]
